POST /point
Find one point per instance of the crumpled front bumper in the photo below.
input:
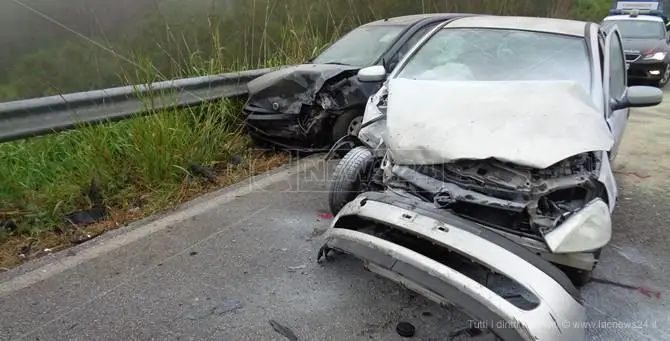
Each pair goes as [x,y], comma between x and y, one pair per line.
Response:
[272,124]
[558,315]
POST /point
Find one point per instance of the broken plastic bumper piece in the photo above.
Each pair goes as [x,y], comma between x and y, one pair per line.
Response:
[556,314]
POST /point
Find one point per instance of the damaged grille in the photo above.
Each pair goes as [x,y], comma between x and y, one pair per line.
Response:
[522,200]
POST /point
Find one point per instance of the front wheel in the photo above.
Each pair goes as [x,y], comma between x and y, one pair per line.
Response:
[351,175]
[347,123]
[666,76]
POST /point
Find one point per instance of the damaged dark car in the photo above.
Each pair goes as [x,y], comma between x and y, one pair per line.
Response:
[310,106]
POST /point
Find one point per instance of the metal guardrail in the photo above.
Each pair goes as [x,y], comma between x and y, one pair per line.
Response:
[46,115]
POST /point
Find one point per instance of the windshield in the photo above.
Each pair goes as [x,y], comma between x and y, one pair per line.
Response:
[361,47]
[637,29]
[497,55]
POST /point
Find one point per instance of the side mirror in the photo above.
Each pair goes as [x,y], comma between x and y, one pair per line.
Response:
[375,73]
[639,97]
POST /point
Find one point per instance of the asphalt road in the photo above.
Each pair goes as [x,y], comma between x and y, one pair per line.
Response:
[225,265]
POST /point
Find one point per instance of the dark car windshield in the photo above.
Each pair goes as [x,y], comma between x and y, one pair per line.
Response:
[496,55]
[360,47]
[637,29]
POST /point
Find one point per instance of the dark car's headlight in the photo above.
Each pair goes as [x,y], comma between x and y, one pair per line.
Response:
[655,56]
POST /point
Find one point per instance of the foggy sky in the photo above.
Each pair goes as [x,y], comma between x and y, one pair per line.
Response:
[23,31]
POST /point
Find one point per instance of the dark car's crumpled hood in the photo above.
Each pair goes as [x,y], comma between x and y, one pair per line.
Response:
[287,89]
[643,45]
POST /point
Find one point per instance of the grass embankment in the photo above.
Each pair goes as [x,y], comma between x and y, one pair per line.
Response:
[129,169]
[145,165]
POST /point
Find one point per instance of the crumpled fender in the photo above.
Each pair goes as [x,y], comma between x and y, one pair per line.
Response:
[288,89]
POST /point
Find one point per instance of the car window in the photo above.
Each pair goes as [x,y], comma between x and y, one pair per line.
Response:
[637,29]
[361,47]
[410,43]
[617,69]
[464,54]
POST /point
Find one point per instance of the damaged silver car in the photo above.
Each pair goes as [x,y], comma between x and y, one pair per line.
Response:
[491,143]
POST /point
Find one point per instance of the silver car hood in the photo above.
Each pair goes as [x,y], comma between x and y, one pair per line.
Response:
[529,123]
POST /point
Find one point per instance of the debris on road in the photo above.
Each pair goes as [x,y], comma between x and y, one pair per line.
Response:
[283,330]
[296,268]
[405,329]
[226,306]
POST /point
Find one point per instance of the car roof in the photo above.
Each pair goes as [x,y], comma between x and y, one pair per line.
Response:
[639,18]
[407,20]
[540,24]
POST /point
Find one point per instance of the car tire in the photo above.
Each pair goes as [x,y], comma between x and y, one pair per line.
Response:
[350,175]
[344,123]
[664,79]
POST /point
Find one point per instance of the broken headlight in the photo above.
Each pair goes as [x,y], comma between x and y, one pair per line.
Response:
[326,101]
[586,230]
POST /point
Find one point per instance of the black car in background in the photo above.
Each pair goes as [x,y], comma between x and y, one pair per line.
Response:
[311,106]
[646,43]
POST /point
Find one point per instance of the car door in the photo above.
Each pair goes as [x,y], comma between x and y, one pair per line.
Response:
[615,82]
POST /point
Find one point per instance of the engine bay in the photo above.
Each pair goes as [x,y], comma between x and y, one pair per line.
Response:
[522,200]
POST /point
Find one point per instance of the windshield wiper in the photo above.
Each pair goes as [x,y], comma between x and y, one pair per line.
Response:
[335,63]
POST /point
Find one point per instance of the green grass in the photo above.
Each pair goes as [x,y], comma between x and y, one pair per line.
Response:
[41,179]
